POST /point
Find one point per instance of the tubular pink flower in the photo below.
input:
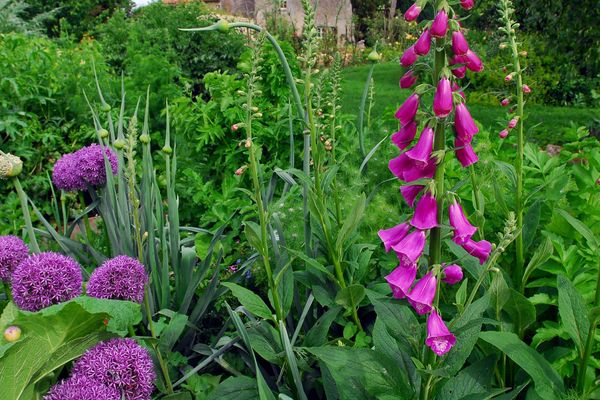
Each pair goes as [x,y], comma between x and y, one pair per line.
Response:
[473,61]
[439,338]
[505,102]
[456,88]
[464,153]
[464,124]
[513,122]
[423,44]
[408,80]
[508,77]
[401,279]
[421,152]
[460,72]
[503,134]
[425,216]
[439,26]
[412,13]
[408,109]
[467,4]
[404,137]
[480,250]
[463,230]
[410,248]
[410,192]
[442,100]
[415,172]
[408,57]
[452,274]
[394,235]
[526,89]
[459,43]
[422,295]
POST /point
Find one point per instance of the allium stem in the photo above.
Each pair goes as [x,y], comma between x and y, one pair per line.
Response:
[26,216]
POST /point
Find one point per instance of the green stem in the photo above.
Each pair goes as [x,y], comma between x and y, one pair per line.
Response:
[7,291]
[478,210]
[26,216]
[361,113]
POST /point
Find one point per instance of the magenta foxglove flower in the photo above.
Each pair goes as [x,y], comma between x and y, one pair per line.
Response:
[421,296]
[459,43]
[82,388]
[408,109]
[425,216]
[121,364]
[404,137]
[410,192]
[401,279]
[423,44]
[480,250]
[408,80]
[44,279]
[393,236]
[12,252]
[503,134]
[464,153]
[505,102]
[412,13]
[456,88]
[421,152]
[439,338]
[439,26]
[460,72]
[463,230]
[452,274]
[464,124]
[408,57]
[473,62]
[442,100]
[120,278]
[410,248]
[513,122]
[467,4]
[526,89]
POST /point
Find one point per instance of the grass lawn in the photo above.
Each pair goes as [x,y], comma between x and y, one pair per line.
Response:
[554,120]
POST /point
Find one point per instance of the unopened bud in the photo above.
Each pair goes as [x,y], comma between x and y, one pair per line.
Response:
[222,26]
[235,127]
[248,143]
[523,53]
[526,89]
[145,138]
[258,115]
[103,133]
[241,170]
[167,149]
[119,144]
[503,134]
[254,109]
[12,333]
[374,56]
[10,166]
[513,122]
[505,102]
[105,107]
[509,77]
[503,46]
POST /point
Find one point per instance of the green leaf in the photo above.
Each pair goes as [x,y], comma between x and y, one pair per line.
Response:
[573,312]
[520,310]
[311,262]
[292,362]
[473,380]
[235,388]
[248,299]
[532,220]
[57,335]
[351,222]
[172,332]
[362,373]
[548,383]
[178,396]
[253,235]
[350,296]
[581,228]
[317,335]
[541,255]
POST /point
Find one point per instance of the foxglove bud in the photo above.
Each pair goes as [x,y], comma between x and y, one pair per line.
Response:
[442,100]
[505,102]
[513,122]
[423,44]
[412,13]
[407,80]
[503,134]
[467,4]
[408,57]
[459,43]
[509,77]
[473,62]
[439,26]
[526,89]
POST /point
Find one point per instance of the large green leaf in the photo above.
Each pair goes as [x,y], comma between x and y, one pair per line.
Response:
[350,296]
[548,383]
[57,335]
[473,380]
[317,335]
[362,373]
[519,310]
[235,388]
[248,299]
[573,312]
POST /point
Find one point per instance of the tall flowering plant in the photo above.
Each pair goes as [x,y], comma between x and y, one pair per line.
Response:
[447,131]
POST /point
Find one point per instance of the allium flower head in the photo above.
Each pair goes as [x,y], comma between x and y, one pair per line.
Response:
[120,278]
[82,388]
[121,364]
[44,279]
[12,251]
[75,171]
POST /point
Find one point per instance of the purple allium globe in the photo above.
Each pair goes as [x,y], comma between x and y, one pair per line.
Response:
[12,251]
[121,364]
[82,388]
[83,168]
[44,279]
[120,278]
